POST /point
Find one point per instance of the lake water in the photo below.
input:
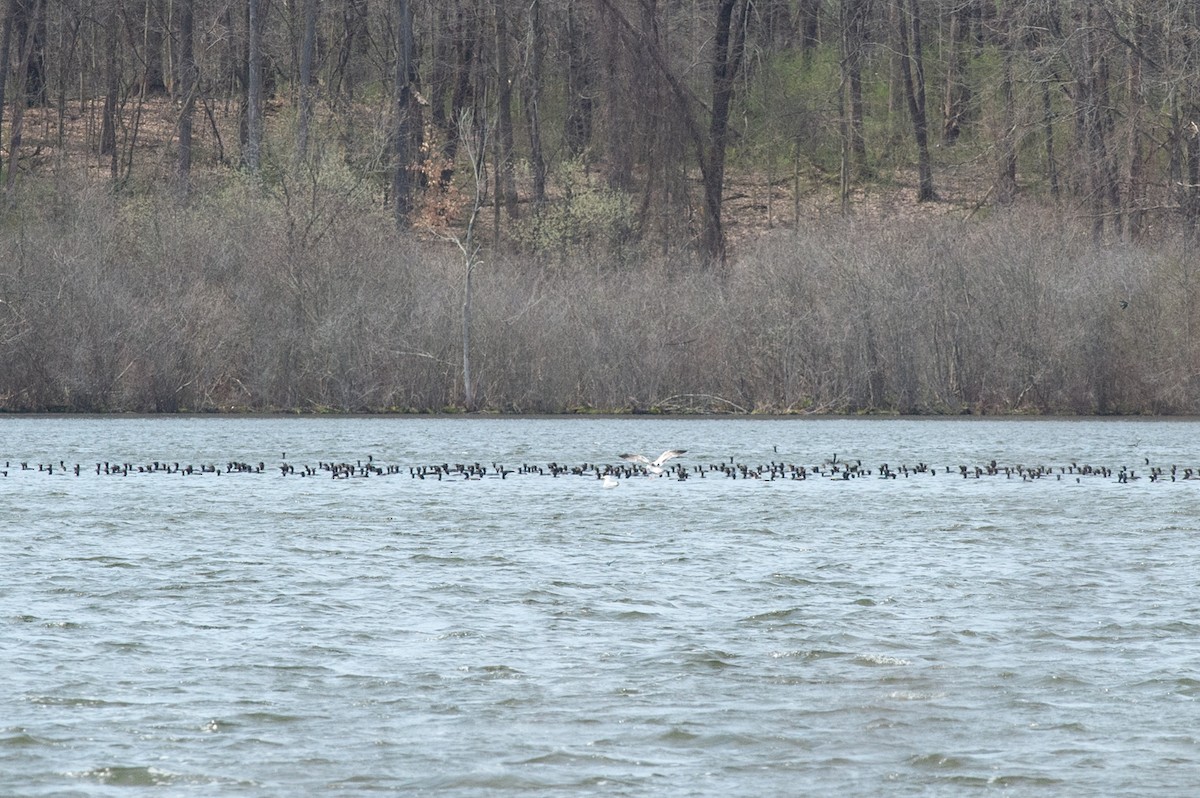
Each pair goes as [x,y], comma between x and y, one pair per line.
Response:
[256,634]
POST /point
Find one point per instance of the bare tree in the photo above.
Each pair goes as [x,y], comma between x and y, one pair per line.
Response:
[188,74]
[535,51]
[506,184]
[153,24]
[1091,69]
[580,79]
[957,96]
[254,87]
[473,137]
[853,144]
[710,140]
[307,80]
[6,31]
[1136,59]
[27,20]
[406,124]
[1006,145]
[353,42]
[912,67]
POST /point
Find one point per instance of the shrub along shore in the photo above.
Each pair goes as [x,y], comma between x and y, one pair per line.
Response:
[242,302]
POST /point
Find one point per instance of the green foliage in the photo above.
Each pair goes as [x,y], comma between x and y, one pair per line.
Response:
[596,222]
[791,109]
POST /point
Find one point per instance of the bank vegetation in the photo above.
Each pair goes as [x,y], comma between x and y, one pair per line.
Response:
[837,206]
[236,302]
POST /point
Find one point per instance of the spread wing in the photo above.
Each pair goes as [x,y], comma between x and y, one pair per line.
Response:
[667,455]
[635,458]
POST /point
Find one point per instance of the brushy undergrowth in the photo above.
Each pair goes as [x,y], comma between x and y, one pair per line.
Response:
[285,301]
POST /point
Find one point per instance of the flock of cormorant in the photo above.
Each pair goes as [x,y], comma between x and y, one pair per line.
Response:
[611,475]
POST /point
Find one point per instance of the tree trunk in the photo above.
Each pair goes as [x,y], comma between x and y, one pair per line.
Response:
[1006,145]
[777,26]
[475,141]
[31,31]
[1090,98]
[28,24]
[532,95]
[254,88]
[441,71]
[187,94]
[5,53]
[506,172]
[854,147]
[108,121]
[153,81]
[958,93]
[858,141]
[711,144]
[809,14]
[580,82]
[617,74]
[307,83]
[729,44]
[845,10]
[354,32]
[913,68]
[1191,192]
[1135,165]
[457,82]
[897,97]
[1048,134]
[405,124]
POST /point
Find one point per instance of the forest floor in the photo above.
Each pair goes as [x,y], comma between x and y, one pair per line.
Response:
[757,204]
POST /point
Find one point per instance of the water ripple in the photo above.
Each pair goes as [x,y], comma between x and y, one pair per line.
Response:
[262,636]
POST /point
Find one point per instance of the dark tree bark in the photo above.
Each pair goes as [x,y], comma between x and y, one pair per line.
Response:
[710,141]
[778,27]
[506,182]
[1191,190]
[442,69]
[858,141]
[354,36]
[809,14]
[912,66]
[112,77]
[6,31]
[26,21]
[406,123]
[1006,140]
[1134,194]
[1048,136]
[532,95]
[1049,29]
[254,86]
[307,83]
[453,89]
[854,148]
[730,42]
[1091,106]
[30,24]
[154,22]
[581,80]
[187,94]
[618,68]
[957,96]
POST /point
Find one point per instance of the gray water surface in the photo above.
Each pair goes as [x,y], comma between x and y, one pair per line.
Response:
[266,635]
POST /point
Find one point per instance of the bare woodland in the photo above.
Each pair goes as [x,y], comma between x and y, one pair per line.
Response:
[789,206]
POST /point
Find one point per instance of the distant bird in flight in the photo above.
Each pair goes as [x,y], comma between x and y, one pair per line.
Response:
[654,466]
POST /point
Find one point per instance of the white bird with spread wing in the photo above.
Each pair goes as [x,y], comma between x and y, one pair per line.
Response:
[654,466]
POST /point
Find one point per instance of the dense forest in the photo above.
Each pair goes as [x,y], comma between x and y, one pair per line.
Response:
[914,206]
